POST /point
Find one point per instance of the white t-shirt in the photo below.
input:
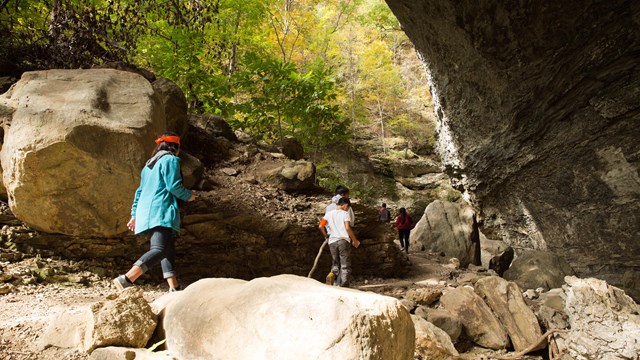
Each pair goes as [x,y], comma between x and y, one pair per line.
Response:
[333,206]
[335,225]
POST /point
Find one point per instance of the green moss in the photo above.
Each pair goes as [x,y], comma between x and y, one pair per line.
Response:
[453,195]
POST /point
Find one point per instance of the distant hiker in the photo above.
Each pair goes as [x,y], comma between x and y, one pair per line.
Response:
[404,224]
[340,239]
[385,215]
[341,192]
[155,212]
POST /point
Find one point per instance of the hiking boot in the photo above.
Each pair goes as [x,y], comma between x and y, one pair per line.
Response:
[121,282]
[331,278]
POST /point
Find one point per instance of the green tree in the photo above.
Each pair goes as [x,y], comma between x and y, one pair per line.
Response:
[276,100]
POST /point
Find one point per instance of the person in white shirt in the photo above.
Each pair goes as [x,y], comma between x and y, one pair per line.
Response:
[341,191]
[336,228]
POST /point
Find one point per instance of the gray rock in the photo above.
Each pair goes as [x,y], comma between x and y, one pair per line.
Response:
[431,342]
[192,170]
[538,269]
[506,301]
[445,320]
[293,176]
[127,320]
[123,353]
[478,321]
[423,295]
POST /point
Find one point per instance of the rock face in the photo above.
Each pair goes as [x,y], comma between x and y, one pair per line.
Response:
[249,245]
[74,148]
[235,319]
[537,106]
[605,322]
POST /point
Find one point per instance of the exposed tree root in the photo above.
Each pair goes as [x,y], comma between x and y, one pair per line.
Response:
[521,353]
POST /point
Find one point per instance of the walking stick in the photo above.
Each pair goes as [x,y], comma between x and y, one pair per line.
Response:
[315,263]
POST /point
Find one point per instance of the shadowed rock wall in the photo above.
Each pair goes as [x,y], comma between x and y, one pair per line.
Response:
[538,105]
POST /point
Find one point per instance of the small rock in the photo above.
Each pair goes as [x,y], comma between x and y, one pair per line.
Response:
[6,288]
[530,294]
[229,171]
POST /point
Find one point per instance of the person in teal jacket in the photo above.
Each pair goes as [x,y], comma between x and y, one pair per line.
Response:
[155,211]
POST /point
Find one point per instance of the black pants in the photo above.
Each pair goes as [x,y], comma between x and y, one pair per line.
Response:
[162,250]
[403,234]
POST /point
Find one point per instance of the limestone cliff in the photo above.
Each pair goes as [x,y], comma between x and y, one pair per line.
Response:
[538,110]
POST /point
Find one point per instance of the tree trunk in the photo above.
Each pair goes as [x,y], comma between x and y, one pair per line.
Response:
[234,48]
[54,25]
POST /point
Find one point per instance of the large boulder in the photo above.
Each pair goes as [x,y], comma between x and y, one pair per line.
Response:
[285,317]
[174,103]
[291,148]
[450,228]
[478,321]
[291,176]
[506,301]
[73,152]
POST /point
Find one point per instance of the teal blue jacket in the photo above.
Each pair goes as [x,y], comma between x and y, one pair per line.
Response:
[156,200]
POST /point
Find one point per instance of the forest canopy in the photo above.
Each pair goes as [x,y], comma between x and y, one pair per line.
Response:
[322,71]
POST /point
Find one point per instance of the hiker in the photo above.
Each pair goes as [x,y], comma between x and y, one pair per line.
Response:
[340,239]
[404,224]
[341,191]
[155,212]
[385,215]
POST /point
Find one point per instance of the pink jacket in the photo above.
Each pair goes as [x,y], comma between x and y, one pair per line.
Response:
[407,225]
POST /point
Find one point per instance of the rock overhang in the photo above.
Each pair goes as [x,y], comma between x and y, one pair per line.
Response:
[537,106]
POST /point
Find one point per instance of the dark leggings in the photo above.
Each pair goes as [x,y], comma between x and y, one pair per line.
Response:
[162,250]
[403,234]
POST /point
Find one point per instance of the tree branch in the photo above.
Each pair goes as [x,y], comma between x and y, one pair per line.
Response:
[3,5]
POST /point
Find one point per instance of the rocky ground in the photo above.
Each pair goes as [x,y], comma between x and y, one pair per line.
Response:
[27,309]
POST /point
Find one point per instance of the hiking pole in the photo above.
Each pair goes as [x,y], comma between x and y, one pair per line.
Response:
[315,263]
